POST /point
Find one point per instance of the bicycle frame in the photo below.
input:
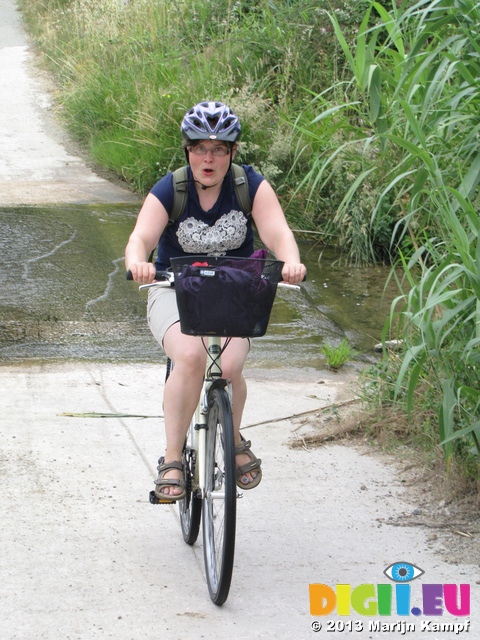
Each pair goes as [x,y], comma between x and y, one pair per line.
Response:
[213,374]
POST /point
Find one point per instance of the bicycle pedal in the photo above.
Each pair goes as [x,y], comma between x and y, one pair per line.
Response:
[153,499]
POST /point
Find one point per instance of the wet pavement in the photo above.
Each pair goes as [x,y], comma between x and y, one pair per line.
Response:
[64,294]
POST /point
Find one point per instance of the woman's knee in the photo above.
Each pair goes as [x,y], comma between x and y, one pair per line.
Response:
[192,359]
[186,352]
[233,361]
[232,371]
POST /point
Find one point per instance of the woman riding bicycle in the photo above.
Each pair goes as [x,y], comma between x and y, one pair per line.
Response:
[212,223]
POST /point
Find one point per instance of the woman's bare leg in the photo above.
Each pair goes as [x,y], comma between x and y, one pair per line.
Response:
[183,388]
[181,393]
[233,361]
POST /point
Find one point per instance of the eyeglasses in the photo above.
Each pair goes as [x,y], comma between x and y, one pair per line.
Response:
[219,151]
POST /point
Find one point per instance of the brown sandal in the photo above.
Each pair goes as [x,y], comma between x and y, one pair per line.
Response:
[162,482]
[253,465]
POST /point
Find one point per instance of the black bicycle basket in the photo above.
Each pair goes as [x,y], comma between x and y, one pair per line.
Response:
[230,297]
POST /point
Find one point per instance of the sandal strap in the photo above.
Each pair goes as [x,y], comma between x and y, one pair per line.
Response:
[253,465]
[243,447]
[166,466]
[162,482]
[163,468]
[169,482]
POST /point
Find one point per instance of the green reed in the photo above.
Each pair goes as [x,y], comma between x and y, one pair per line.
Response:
[400,129]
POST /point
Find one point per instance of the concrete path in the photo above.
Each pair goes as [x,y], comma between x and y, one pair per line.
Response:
[35,165]
[83,555]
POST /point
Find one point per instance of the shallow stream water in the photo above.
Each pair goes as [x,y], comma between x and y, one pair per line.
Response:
[64,295]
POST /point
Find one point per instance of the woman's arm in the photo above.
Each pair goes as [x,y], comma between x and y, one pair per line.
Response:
[151,222]
[276,234]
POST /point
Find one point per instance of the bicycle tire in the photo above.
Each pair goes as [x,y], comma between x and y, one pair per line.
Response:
[190,508]
[219,502]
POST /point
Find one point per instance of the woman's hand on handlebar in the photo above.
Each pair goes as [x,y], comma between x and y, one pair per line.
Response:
[142,272]
[293,273]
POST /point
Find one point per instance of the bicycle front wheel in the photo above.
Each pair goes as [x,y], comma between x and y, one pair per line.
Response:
[219,502]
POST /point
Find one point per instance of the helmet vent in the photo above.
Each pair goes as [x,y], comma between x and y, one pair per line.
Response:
[212,123]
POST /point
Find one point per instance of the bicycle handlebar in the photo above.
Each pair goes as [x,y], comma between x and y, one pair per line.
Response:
[167,276]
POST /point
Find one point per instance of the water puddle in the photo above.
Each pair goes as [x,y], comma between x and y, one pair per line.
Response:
[64,295]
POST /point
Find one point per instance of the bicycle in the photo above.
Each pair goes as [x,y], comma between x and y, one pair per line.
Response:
[201,285]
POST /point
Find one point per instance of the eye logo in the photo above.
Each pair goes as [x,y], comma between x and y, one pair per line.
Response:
[403,572]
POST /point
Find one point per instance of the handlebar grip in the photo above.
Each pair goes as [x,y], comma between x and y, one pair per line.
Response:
[159,275]
[304,279]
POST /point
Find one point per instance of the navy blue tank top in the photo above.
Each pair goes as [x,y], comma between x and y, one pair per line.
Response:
[223,230]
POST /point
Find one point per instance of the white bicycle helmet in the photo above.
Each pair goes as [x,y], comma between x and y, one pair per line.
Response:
[211,121]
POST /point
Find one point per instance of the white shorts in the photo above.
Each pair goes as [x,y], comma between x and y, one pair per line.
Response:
[162,311]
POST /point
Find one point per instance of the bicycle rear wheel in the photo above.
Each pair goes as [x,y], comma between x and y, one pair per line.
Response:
[190,508]
[219,502]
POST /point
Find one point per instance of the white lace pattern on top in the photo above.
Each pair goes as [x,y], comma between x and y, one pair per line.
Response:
[229,232]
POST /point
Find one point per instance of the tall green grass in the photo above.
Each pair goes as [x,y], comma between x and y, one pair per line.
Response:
[129,69]
[401,129]
[400,118]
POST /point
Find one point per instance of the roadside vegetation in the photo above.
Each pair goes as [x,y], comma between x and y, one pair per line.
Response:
[338,356]
[364,116]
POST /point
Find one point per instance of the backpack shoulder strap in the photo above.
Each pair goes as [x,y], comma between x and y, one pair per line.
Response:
[180,191]
[240,183]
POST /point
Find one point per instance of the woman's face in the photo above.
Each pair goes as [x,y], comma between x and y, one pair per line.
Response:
[210,161]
